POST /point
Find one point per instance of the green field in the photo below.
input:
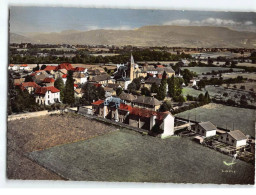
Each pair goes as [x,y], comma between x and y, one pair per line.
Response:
[201,70]
[221,115]
[127,156]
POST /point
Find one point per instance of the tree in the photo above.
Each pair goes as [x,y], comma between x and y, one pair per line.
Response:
[36,68]
[162,89]
[201,97]
[131,87]
[171,86]
[154,88]
[137,83]
[166,106]
[69,97]
[28,78]
[207,98]
[201,84]
[43,67]
[145,91]
[91,93]
[59,84]
[119,90]
[188,75]
[174,86]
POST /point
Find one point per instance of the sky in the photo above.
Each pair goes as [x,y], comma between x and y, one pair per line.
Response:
[56,19]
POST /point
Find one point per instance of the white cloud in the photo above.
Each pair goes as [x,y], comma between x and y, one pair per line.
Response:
[124,27]
[207,22]
[248,23]
[178,22]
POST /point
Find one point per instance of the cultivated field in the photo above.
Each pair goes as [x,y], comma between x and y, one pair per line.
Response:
[246,64]
[27,135]
[245,75]
[201,70]
[248,86]
[130,157]
[222,116]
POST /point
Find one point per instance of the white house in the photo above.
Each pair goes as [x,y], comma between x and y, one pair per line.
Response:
[235,138]
[167,126]
[24,67]
[47,95]
[206,129]
[12,67]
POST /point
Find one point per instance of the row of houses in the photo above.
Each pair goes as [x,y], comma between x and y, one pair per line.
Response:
[116,109]
[234,138]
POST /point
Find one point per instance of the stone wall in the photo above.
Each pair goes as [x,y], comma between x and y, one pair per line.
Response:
[32,114]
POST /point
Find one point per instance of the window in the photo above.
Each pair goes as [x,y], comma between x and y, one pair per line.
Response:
[221,137]
[233,141]
[227,139]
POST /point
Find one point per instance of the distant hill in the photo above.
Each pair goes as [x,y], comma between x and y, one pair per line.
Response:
[16,38]
[174,36]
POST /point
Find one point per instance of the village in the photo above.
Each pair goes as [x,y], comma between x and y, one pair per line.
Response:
[145,96]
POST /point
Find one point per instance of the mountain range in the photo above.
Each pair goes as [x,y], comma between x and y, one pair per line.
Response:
[171,36]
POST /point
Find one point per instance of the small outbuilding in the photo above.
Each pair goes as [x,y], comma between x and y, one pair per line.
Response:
[235,138]
[206,129]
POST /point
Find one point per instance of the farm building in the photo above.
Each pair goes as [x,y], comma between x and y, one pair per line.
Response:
[235,138]
[206,129]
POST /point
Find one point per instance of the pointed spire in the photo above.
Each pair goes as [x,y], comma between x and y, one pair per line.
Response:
[132,60]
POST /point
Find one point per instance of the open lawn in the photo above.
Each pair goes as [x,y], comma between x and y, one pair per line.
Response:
[222,116]
[201,70]
[128,156]
[27,135]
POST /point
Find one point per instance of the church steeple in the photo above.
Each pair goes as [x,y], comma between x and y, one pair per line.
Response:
[132,68]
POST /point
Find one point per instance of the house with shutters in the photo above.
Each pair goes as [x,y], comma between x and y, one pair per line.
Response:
[47,95]
[234,138]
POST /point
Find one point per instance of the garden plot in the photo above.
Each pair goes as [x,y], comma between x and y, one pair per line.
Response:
[224,116]
[201,70]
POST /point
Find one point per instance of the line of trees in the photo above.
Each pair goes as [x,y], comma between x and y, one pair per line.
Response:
[139,55]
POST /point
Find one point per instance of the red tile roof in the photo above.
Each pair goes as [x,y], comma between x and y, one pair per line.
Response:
[99,102]
[160,66]
[125,107]
[43,90]
[64,76]
[23,65]
[49,68]
[159,76]
[11,65]
[33,74]
[148,113]
[78,69]
[48,80]
[66,66]
[28,84]
[75,85]
[97,84]
[39,71]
